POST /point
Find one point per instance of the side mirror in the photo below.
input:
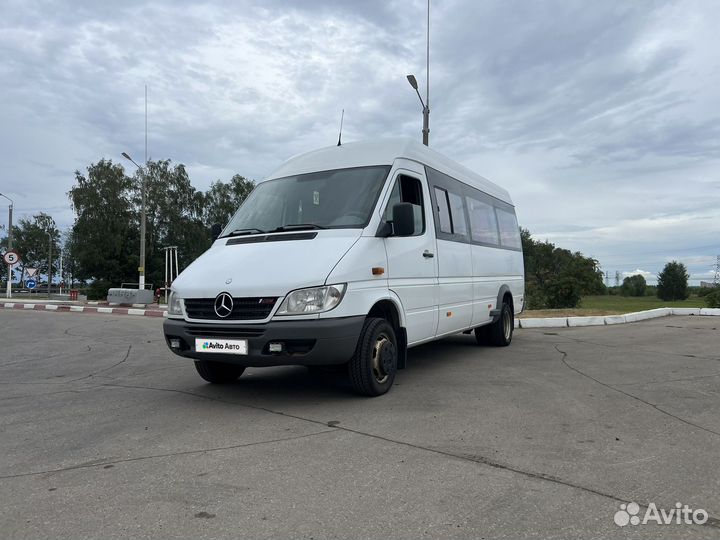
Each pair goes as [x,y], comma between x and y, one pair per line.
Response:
[215,231]
[403,219]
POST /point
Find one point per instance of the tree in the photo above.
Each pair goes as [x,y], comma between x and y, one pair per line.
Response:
[223,199]
[556,277]
[174,217]
[633,286]
[105,234]
[32,240]
[673,282]
[104,244]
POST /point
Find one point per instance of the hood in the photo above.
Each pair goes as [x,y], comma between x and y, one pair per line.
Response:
[265,265]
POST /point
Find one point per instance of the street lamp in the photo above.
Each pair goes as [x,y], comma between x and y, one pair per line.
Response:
[426,110]
[141,269]
[413,82]
[8,292]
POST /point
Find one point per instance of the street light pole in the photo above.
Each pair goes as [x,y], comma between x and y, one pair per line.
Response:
[49,261]
[426,110]
[413,82]
[8,292]
[141,269]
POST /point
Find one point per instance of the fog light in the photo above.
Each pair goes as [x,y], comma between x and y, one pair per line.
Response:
[275,347]
[174,343]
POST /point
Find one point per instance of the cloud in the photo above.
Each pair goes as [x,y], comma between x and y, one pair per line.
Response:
[601,119]
[637,272]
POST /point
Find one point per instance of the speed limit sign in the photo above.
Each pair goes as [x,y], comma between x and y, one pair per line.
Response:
[11,257]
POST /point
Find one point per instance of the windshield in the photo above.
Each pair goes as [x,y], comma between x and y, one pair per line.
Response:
[341,198]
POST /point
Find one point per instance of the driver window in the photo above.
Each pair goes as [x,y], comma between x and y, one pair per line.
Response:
[408,189]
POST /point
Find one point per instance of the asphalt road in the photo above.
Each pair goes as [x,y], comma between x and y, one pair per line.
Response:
[106,434]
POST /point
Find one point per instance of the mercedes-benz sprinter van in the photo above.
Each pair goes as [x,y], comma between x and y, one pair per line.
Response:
[350,255]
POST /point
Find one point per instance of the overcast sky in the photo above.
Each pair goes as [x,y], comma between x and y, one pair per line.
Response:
[601,118]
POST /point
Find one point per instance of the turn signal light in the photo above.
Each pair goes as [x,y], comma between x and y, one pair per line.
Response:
[378,271]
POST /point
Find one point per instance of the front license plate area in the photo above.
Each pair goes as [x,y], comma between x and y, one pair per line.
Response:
[221,346]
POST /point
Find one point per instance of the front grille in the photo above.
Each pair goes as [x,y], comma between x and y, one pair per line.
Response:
[244,309]
[226,333]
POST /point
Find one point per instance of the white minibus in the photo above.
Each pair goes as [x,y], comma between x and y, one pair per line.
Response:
[349,256]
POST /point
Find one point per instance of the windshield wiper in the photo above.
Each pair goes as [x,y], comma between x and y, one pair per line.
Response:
[297,227]
[242,232]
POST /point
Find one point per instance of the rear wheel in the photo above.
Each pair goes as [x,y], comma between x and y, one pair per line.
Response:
[499,333]
[218,372]
[373,366]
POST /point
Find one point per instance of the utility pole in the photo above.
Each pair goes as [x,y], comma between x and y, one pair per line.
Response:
[8,291]
[716,281]
[617,278]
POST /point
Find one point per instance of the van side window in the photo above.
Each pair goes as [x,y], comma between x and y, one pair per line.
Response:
[408,189]
[509,231]
[457,214]
[483,225]
[443,210]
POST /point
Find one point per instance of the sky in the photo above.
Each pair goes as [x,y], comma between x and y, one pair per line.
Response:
[602,119]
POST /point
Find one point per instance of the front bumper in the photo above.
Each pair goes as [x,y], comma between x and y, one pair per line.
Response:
[306,342]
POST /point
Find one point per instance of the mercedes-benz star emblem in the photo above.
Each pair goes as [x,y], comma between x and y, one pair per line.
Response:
[223,305]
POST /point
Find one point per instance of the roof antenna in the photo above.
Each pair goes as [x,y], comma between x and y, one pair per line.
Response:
[342,117]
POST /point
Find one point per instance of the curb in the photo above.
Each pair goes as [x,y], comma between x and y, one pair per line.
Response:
[85,309]
[563,322]
[545,322]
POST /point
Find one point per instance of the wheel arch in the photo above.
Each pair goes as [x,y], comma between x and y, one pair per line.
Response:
[503,293]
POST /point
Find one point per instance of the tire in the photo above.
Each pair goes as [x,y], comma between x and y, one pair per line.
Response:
[499,333]
[218,372]
[373,367]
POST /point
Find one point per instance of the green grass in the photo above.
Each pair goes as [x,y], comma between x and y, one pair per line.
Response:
[628,304]
[613,305]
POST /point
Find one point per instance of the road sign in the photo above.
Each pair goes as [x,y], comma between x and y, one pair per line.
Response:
[31,272]
[11,257]
[30,284]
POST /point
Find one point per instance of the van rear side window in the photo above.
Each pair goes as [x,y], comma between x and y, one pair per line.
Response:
[443,209]
[509,230]
[457,214]
[483,225]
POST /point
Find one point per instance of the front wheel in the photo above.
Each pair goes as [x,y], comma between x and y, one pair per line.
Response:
[499,333]
[373,366]
[218,372]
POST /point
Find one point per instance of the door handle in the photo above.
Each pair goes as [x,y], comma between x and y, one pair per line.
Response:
[428,254]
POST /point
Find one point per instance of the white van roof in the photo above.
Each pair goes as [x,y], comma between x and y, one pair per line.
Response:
[384,152]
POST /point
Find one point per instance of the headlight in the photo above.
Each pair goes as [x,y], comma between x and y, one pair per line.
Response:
[312,300]
[175,305]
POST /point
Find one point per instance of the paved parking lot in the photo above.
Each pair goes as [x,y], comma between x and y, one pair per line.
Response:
[105,434]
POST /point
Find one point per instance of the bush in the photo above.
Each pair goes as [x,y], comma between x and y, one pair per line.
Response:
[534,298]
[563,292]
[702,292]
[98,290]
[713,299]
[673,282]
[633,286]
